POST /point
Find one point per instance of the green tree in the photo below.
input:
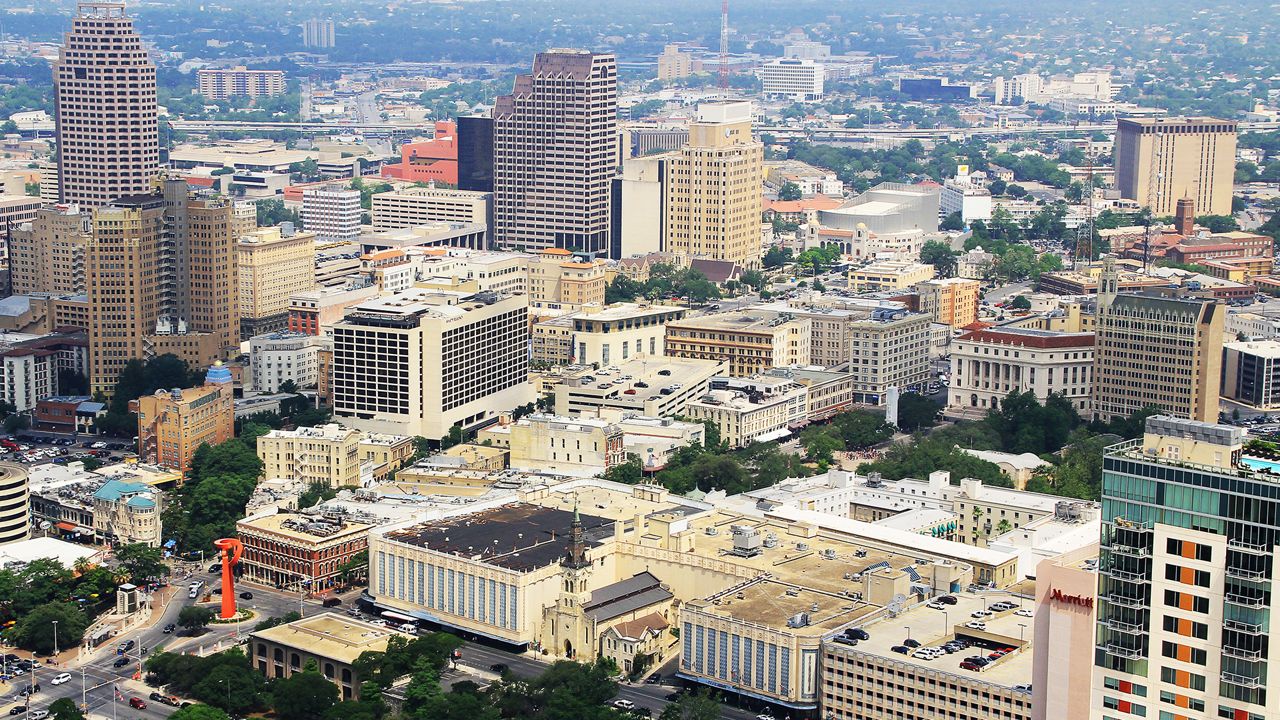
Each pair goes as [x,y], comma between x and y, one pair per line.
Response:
[65,709]
[195,618]
[275,620]
[953,222]
[790,191]
[35,630]
[776,256]
[199,712]
[940,256]
[1020,302]
[303,695]
[916,411]
[821,442]
[272,212]
[141,562]
[627,473]
[32,189]
[697,705]
[1218,223]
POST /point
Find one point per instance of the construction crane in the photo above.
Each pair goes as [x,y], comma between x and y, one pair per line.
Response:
[724,47]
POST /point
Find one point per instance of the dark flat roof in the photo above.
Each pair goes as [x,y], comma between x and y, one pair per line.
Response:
[520,536]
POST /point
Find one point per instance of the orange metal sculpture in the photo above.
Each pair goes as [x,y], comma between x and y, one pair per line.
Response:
[229,549]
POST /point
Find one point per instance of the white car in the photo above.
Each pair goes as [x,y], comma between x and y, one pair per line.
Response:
[61,678]
[37,715]
[935,605]
[980,613]
[764,716]
[1025,612]
[624,704]
[976,625]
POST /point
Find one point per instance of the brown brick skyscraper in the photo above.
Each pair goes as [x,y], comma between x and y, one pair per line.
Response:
[105,106]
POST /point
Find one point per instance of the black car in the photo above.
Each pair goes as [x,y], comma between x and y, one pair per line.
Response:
[246,595]
[17,710]
[499,668]
[29,689]
[653,679]
[948,599]
[169,628]
[911,643]
[121,661]
[859,633]
[332,602]
[903,649]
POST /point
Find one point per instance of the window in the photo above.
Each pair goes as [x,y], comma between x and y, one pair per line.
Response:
[1184,653]
[1189,628]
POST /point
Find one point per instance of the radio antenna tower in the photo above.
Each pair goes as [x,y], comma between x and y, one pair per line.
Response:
[724,47]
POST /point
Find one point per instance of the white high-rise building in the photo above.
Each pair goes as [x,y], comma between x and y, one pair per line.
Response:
[332,212]
[794,78]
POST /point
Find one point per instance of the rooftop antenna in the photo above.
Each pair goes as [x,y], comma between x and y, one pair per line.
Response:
[724,47]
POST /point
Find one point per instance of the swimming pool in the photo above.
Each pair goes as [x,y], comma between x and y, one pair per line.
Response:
[1260,464]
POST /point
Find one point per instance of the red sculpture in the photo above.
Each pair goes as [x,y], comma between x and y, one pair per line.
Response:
[229,549]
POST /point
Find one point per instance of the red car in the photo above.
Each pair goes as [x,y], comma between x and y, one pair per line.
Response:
[137,702]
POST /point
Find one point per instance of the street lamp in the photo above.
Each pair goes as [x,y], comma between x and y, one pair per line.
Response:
[908,627]
[55,640]
[1021,627]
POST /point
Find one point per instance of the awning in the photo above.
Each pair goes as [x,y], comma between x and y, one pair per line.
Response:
[396,616]
[68,527]
[743,691]
[772,435]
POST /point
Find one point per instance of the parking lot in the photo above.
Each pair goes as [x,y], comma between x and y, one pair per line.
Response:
[37,448]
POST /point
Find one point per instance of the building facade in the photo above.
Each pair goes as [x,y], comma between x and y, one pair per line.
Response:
[1160,161]
[328,455]
[422,206]
[950,301]
[713,198]
[795,79]
[106,112]
[1185,572]
[1251,373]
[161,278]
[749,342]
[989,364]
[278,358]
[422,361]
[15,503]
[558,279]
[555,152]
[47,254]
[173,424]
[1160,352]
[332,212]
[239,81]
[273,264]
[125,513]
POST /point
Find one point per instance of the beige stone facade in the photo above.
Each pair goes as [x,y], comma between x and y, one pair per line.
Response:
[1176,158]
[750,342]
[47,253]
[328,455]
[272,267]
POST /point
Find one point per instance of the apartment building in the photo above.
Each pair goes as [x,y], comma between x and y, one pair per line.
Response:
[1185,572]
[1162,160]
[795,79]
[558,444]
[328,455]
[172,424]
[419,362]
[286,356]
[950,301]
[273,265]
[106,116]
[332,212]
[161,278]
[558,279]
[46,254]
[1153,351]
[555,152]
[428,205]
[749,341]
[989,364]
[318,33]
[239,81]
[756,409]
[889,275]
[713,200]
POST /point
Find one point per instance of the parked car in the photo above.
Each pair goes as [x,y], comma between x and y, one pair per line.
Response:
[332,602]
[1025,612]
[911,643]
[499,668]
[624,704]
[948,599]
[169,628]
[138,703]
[903,649]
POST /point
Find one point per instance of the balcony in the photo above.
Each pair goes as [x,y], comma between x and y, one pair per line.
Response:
[1241,653]
[1246,574]
[1246,546]
[1241,680]
[1123,601]
[1244,627]
[1127,575]
[1245,600]
[1123,652]
[1128,550]
[1124,627]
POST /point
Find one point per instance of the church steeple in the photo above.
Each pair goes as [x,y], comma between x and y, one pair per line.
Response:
[576,555]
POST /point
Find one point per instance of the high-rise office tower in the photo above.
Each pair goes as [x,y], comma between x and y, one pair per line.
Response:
[555,152]
[1155,351]
[1158,161]
[713,188]
[105,109]
[475,153]
[161,278]
[1186,569]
